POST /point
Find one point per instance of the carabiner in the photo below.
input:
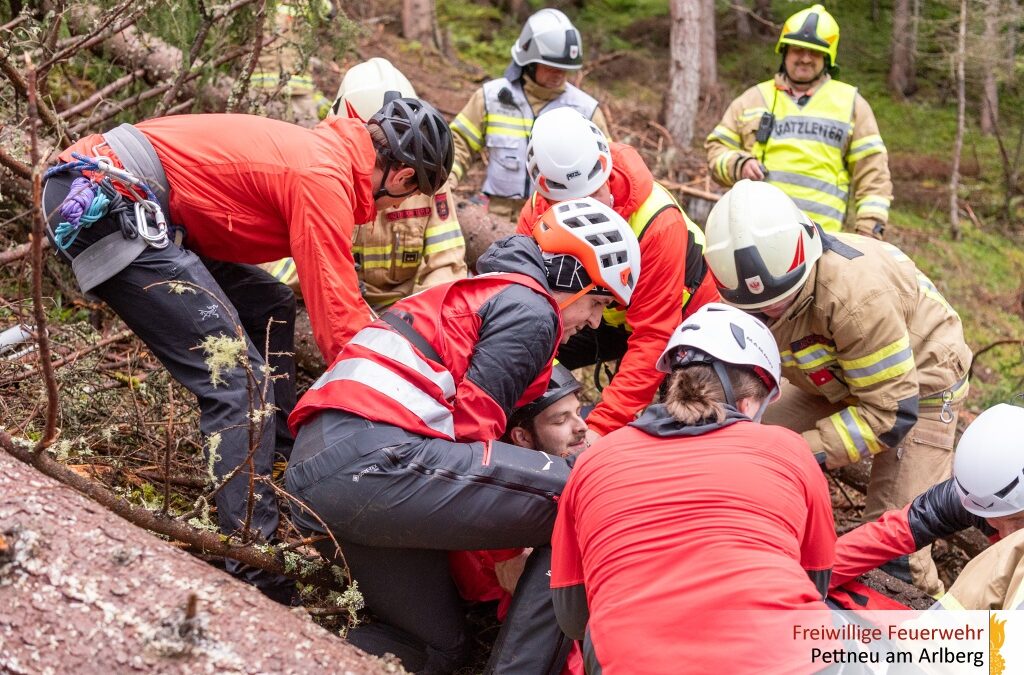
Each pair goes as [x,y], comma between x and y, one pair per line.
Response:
[946,414]
[156,236]
[104,165]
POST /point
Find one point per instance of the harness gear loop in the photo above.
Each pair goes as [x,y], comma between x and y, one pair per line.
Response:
[107,198]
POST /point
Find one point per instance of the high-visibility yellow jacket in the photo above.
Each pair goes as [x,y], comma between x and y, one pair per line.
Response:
[411,247]
[871,330]
[817,153]
[470,127]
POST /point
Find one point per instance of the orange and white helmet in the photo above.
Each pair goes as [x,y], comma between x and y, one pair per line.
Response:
[588,249]
[568,156]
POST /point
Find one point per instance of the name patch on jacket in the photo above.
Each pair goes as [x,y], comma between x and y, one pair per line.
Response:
[805,342]
[422,212]
[441,206]
[825,131]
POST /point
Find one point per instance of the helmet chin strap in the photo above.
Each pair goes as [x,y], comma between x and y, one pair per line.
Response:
[723,377]
[579,294]
[382,191]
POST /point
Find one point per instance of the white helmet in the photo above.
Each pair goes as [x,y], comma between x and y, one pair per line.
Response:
[568,156]
[760,246]
[598,239]
[549,38]
[364,85]
[988,467]
[729,335]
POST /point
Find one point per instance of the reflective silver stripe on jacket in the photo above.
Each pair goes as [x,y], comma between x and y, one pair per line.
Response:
[389,383]
[506,162]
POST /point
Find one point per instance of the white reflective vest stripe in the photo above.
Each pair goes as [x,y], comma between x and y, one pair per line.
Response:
[413,395]
[806,153]
[507,126]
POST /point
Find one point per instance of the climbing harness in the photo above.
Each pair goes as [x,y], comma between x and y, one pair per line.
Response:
[91,199]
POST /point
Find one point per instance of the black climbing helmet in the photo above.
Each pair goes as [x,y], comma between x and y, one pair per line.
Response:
[418,137]
[561,384]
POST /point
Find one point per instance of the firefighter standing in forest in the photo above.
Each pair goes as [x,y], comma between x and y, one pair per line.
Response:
[812,136]
[282,71]
[499,116]
[569,158]
[243,190]
[986,492]
[409,247]
[875,356]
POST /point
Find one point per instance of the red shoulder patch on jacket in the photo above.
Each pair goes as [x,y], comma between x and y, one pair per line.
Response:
[441,206]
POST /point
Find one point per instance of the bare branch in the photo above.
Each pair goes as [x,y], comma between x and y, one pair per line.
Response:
[38,229]
[242,83]
[101,94]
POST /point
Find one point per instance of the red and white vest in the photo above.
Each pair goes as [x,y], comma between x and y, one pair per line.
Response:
[381,376]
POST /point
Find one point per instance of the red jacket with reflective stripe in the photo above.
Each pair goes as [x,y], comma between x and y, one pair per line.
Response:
[249,189]
[381,376]
[655,308]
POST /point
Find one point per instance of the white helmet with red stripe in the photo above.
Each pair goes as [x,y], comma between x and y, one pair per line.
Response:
[760,246]
[568,156]
[362,89]
[599,240]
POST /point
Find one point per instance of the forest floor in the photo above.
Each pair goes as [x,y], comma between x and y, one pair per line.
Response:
[120,410]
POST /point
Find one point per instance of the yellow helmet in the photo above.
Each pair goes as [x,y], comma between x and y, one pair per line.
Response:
[811,28]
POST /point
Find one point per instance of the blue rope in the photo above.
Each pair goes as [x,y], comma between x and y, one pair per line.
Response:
[84,163]
[67,233]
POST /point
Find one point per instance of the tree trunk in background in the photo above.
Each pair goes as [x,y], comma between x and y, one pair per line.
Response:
[739,10]
[418,19]
[954,178]
[763,9]
[684,71]
[708,49]
[1012,20]
[990,61]
[902,76]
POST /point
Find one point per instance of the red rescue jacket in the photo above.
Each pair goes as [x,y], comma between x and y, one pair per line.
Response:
[656,308]
[248,189]
[494,333]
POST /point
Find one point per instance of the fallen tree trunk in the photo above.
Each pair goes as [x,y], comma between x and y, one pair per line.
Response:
[84,590]
[480,229]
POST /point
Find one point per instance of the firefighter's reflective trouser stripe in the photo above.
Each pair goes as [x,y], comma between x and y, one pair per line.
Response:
[898,475]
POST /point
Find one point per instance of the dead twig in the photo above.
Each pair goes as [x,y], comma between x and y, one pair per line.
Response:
[692,191]
[241,87]
[38,228]
[42,111]
[20,251]
[990,347]
[101,94]
[19,168]
[70,358]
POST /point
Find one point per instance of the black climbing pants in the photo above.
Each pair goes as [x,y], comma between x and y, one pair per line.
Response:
[398,502]
[174,320]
